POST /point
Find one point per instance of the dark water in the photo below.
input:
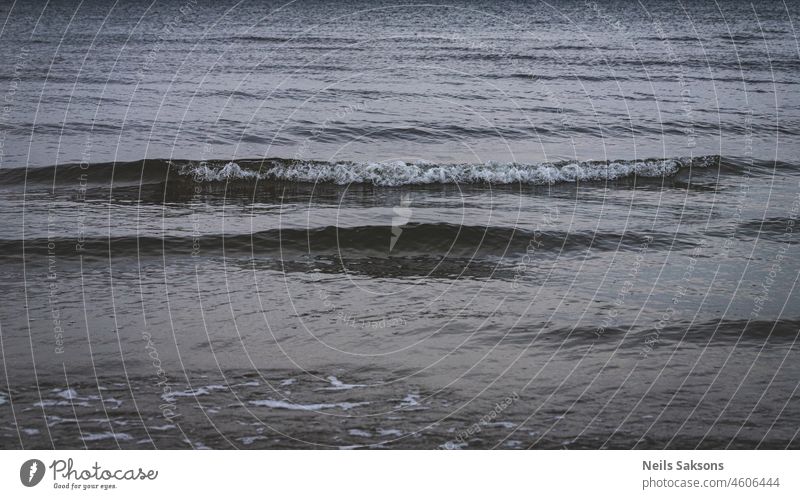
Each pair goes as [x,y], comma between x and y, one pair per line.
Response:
[316,224]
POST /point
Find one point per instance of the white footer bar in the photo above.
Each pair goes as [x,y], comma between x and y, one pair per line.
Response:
[389,474]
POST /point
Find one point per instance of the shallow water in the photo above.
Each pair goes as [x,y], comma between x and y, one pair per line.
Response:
[499,225]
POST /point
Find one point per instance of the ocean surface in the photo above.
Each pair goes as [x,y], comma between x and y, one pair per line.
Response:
[362,224]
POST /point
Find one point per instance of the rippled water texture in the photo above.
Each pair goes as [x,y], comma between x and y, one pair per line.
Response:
[362,224]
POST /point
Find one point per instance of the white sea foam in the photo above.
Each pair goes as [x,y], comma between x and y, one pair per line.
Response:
[339,385]
[411,400]
[502,424]
[251,440]
[163,427]
[249,383]
[398,173]
[118,403]
[54,403]
[55,420]
[93,437]
[203,390]
[230,171]
[282,404]
[68,394]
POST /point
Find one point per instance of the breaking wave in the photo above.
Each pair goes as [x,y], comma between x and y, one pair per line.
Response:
[398,173]
[386,174]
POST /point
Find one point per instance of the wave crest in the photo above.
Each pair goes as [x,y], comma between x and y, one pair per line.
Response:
[398,173]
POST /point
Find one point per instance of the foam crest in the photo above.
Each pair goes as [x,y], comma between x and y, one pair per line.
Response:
[398,173]
[231,171]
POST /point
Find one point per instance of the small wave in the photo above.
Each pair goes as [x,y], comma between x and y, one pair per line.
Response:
[179,180]
[270,171]
[398,173]
[370,241]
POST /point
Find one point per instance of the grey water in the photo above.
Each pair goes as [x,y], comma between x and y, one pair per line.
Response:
[358,224]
